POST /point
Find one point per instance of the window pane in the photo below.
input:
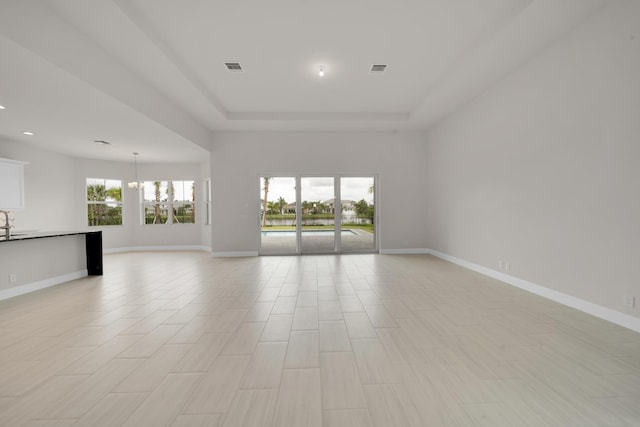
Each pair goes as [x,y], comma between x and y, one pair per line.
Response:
[156,191]
[113,190]
[183,191]
[156,213]
[184,213]
[278,215]
[207,201]
[318,214]
[96,192]
[104,214]
[358,209]
[104,197]
[207,190]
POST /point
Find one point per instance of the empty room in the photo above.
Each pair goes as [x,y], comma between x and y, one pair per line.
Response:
[319,213]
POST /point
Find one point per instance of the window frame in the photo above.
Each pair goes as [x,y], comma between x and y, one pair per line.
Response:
[106,202]
[168,206]
[207,201]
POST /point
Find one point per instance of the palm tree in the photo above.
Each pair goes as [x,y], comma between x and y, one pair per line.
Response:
[282,203]
[362,208]
[174,215]
[96,193]
[114,193]
[156,206]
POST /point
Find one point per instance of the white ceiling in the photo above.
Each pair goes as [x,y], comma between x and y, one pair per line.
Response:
[149,75]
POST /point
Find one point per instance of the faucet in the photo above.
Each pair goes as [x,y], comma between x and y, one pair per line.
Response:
[7,227]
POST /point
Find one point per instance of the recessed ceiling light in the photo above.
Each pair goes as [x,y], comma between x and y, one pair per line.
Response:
[321,71]
[1,107]
[26,132]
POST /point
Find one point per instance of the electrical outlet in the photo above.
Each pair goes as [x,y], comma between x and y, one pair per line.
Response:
[629,301]
[507,266]
[13,278]
[500,264]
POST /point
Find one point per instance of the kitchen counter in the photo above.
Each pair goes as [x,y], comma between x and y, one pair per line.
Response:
[34,260]
[26,235]
[93,242]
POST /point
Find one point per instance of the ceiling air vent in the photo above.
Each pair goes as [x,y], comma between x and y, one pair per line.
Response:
[233,67]
[378,69]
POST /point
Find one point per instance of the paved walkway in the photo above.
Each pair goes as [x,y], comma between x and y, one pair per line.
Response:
[359,241]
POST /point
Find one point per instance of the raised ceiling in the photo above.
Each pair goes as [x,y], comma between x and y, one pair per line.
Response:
[150,76]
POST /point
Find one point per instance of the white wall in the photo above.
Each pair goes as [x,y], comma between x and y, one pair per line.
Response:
[238,159]
[49,178]
[543,170]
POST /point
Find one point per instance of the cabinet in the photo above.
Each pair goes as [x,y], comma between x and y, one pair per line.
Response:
[11,185]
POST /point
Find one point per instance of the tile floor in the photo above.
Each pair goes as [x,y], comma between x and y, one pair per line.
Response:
[184,339]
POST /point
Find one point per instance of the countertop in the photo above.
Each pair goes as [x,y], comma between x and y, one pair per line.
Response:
[28,235]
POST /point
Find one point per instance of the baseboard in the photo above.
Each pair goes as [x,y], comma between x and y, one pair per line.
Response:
[405,251]
[156,248]
[234,254]
[41,284]
[621,319]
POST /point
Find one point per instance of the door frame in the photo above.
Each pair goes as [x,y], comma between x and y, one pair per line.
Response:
[337,249]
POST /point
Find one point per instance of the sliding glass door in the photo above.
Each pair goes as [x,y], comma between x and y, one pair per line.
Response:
[357,219]
[278,219]
[317,215]
[318,231]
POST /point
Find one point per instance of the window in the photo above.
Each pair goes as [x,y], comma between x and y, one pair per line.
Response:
[169,202]
[184,194]
[104,202]
[155,204]
[207,202]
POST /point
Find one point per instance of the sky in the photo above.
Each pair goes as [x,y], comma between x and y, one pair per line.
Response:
[318,189]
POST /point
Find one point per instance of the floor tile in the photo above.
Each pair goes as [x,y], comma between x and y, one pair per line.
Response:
[341,388]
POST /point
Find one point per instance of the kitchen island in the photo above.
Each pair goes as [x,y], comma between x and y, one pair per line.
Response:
[36,260]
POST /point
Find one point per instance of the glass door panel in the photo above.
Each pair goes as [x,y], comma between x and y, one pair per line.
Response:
[357,196]
[318,227]
[278,215]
